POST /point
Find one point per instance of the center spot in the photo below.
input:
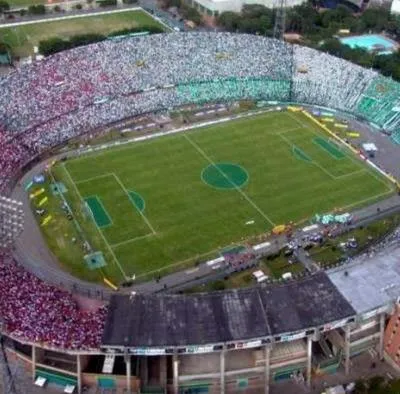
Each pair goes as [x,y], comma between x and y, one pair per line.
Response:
[225,176]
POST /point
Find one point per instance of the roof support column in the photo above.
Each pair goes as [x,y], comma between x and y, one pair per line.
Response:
[79,373]
[175,368]
[222,369]
[347,349]
[33,363]
[382,334]
[267,373]
[163,372]
[309,360]
[128,373]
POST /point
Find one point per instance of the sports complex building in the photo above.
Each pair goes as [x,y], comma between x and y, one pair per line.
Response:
[227,341]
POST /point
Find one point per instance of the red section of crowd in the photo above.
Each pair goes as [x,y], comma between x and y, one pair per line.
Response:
[35,311]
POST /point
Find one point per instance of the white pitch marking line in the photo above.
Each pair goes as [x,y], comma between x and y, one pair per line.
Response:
[287,131]
[94,178]
[312,161]
[362,168]
[360,202]
[224,175]
[351,173]
[140,212]
[98,229]
[352,157]
[132,240]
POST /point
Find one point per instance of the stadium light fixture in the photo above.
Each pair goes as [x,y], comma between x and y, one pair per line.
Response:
[11,221]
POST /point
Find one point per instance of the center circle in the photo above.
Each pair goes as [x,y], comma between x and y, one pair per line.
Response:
[225,176]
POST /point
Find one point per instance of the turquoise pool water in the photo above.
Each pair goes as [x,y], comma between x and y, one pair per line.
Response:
[370,42]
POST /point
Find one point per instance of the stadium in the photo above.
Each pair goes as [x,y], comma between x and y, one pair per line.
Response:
[194,180]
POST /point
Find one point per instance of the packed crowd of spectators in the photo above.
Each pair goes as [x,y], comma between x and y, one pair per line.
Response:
[12,156]
[35,311]
[77,78]
[328,81]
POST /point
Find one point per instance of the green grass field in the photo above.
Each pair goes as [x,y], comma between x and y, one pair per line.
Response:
[162,204]
[23,38]
[24,3]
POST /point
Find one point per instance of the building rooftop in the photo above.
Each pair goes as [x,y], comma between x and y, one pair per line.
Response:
[371,281]
[311,302]
[235,315]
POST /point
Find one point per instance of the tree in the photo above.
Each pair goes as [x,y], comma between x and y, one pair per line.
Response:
[191,13]
[218,285]
[85,39]
[4,48]
[4,6]
[171,3]
[295,22]
[360,387]
[375,18]
[106,3]
[332,46]
[229,20]
[52,45]
[39,9]
[376,384]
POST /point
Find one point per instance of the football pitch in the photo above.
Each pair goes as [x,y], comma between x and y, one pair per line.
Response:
[24,37]
[165,203]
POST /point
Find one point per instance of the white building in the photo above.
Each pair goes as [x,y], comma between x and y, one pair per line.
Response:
[395,9]
[216,7]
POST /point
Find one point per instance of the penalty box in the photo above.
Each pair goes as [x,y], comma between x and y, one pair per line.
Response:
[118,212]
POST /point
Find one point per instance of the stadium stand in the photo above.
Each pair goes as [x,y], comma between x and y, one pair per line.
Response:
[44,104]
[380,102]
[35,311]
[74,92]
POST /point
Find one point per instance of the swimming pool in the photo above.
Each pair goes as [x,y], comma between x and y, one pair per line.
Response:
[371,42]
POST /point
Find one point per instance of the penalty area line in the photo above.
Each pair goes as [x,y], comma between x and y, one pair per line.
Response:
[97,227]
[93,178]
[238,189]
[132,240]
[291,144]
[316,130]
[140,212]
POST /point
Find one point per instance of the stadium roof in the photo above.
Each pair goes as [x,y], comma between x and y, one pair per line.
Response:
[369,284]
[176,320]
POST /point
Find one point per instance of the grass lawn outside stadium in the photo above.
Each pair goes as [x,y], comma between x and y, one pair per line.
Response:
[165,203]
[25,3]
[23,38]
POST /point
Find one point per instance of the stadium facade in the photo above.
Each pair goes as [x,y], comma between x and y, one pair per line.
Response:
[220,342]
[244,338]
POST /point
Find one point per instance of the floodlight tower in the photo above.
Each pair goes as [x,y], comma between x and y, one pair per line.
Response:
[11,226]
[11,222]
[280,19]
